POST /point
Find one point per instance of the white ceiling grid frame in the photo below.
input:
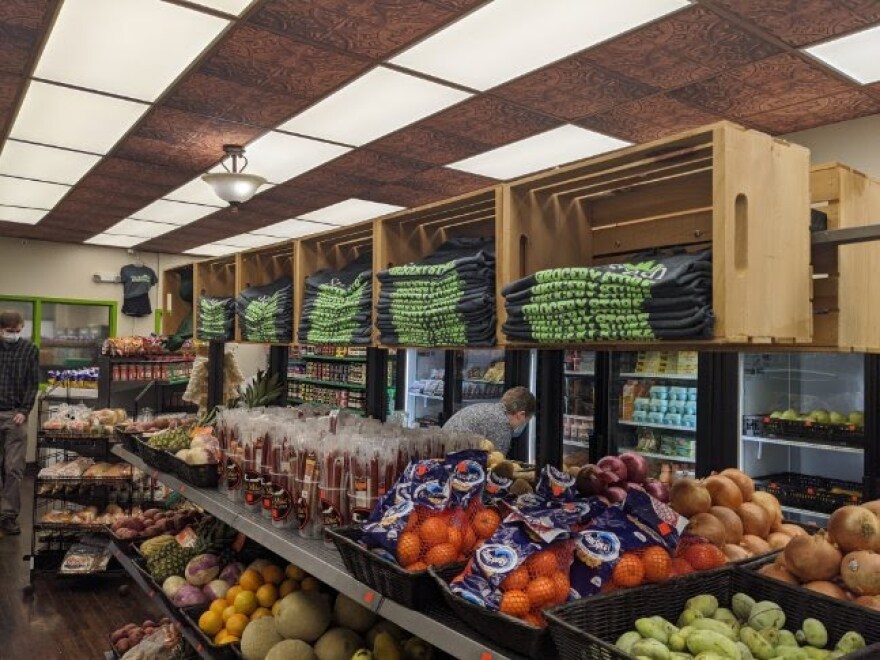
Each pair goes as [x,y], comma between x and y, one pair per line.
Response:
[375,104]
[292,228]
[21,215]
[232,7]
[72,118]
[212,250]
[114,240]
[508,38]
[175,213]
[247,240]
[30,194]
[350,211]
[549,149]
[141,228]
[279,157]
[855,55]
[33,161]
[132,48]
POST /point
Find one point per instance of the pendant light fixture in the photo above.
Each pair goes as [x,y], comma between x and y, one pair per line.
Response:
[233,185]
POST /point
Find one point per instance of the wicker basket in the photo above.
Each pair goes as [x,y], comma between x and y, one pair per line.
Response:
[413,590]
[606,617]
[504,630]
[156,458]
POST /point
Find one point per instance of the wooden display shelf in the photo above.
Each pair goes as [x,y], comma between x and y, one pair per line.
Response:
[844,314]
[261,266]
[408,236]
[738,191]
[333,249]
[174,308]
[214,277]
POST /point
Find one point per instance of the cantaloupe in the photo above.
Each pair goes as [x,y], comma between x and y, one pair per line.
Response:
[291,649]
[392,629]
[303,615]
[338,644]
[347,613]
[258,638]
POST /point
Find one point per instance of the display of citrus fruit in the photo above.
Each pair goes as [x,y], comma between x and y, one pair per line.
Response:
[245,603]
[518,580]
[415,567]
[232,592]
[210,622]
[561,587]
[227,613]
[629,571]
[542,564]
[310,584]
[272,574]
[658,564]
[217,606]
[441,554]
[250,580]
[485,523]
[287,587]
[236,624]
[409,547]
[260,612]
[434,531]
[541,591]
[515,603]
[276,606]
[294,572]
[267,595]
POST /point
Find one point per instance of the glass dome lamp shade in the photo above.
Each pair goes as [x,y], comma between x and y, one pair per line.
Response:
[234,185]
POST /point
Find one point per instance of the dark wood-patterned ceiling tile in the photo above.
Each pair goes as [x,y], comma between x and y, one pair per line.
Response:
[403,194]
[10,88]
[148,173]
[668,114]
[82,211]
[428,145]
[102,201]
[448,182]
[573,88]
[130,188]
[491,121]
[618,123]
[224,99]
[790,75]
[21,26]
[296,200]
[459,5]
[334,182]
[372,28]
[801,23]
[375,166]
[817,112]
[689,45]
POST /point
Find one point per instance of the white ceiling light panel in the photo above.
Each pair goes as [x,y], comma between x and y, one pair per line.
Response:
[507,38]
[549,149]
[279,157]
[857,55]
[196,192]
[72,118]
[374,105]
[33,161]
[21,215]
[175,213]
[350,211]
[245,241]
[134,48]
[292,229]
[142,228]
[212,250]
[233,7]
[114,240]
[30,194]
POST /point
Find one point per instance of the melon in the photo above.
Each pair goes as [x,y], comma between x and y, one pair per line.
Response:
[303,615]
[350,614]
[291,649]
[258,639]
[338,644]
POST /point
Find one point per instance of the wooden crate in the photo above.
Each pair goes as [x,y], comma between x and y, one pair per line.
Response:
[846,285]
[264,265]
[330,249]
[214,277]
[741,192]
[408,236]
[174,308]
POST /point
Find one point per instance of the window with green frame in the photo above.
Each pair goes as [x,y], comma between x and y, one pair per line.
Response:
[68,332]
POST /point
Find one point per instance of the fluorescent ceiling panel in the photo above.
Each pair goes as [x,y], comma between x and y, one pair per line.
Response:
[72,118]
[234,7]
[130,227]
[175,213]
[292,229]
[507,38]
[31,194]
[374,105]
[33,161]
[196,192]
[350,211]
[114,240]
[244,241]
[22,215]
[549,149]
[279,157]
[857,55]
[134,48]
[212,250]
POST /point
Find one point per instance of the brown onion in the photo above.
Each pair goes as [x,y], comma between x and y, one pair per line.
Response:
[860,571]
[871,602]
[742,480]
[756,545]
[770,504]
[792,530]
[811,558]
[724,492]
[709,527]
[854,528]
[754,519]
[735,552]
[689,497]
[873,506]
[778,572]
[827,588]
[733,527]
[778,540]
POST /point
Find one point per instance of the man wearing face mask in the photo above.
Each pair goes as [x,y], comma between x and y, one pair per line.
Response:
[19,378]
[498,422]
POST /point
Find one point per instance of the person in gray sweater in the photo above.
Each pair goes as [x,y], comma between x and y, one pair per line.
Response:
[499,422]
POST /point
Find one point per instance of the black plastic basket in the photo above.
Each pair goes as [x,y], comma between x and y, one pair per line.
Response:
[128,440]
[156,458]
[804,491]
[587,629]
[504,630]
[414,590]
[203,476]
[191,615]
[834,434]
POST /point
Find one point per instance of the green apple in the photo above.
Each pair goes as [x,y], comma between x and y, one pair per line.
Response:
[775,414]
[820,416]
[790,414]
[838,418]
[857,418]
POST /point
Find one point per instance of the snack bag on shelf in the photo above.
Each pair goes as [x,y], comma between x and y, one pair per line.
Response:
[659,517]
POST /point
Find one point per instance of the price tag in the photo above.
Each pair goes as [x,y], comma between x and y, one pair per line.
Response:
[369,597]
[182,489]
[486,656]
[200,648]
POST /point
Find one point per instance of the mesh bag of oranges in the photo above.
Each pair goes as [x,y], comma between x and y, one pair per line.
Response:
[694,553]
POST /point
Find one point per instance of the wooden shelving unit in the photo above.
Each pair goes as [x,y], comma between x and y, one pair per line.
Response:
[214,277]
[174,308]
[262,266]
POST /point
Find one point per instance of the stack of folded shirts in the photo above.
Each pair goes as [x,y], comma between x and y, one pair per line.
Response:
[447,299]
[337,305]
[662,296]
[216,319]
[265,313]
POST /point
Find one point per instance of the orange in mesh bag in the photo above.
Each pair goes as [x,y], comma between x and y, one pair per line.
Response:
[436,538]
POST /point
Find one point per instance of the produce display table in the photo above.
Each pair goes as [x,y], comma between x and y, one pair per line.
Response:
[436,624]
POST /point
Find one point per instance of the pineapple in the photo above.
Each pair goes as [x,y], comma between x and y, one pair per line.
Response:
[263,391]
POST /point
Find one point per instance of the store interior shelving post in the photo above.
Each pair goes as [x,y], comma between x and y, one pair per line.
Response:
[262,266]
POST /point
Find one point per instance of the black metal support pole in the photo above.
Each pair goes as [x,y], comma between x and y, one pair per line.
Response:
[551,406]
[279,356]
[600,443]
[451,383]
[216,353]
[717,412]
[872,428]
[516,368]
[400,379]
[377,383]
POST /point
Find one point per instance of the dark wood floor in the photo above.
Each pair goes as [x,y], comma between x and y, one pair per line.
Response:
[57,617]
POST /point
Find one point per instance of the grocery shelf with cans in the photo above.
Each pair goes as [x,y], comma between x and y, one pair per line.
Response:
[435,624]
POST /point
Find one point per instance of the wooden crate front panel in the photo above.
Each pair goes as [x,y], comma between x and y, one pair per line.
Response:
[174,308]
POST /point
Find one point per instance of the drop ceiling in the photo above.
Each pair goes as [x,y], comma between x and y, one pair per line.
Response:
[111,110]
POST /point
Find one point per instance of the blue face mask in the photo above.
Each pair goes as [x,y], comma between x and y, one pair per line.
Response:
[522,427]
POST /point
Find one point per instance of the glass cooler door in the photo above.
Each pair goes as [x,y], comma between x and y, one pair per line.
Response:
[479,376]
[425,375]
[578,418]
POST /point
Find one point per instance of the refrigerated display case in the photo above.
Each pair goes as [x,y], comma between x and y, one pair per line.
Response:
[653,409]
[802,429]
[578,419]
[425,385]
[479,377]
